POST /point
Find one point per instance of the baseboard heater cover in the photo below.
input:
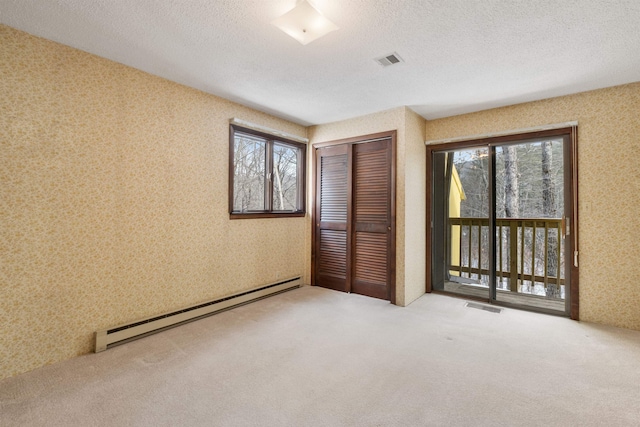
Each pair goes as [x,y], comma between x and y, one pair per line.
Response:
[120,334]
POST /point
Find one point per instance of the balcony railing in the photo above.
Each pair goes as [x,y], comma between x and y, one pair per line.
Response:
[528,253]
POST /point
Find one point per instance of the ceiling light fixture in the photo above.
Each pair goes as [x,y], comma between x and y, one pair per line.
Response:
[304,23]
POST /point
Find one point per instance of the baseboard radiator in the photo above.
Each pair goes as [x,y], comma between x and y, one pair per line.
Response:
[121,334]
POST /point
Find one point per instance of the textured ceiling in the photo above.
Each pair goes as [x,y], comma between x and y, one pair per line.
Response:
[460,55]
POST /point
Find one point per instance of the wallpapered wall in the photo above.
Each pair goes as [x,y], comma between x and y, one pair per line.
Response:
[609,188]
[415,188]
[113,201]
[410,196]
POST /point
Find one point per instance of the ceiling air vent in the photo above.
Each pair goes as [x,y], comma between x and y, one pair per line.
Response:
[390,59]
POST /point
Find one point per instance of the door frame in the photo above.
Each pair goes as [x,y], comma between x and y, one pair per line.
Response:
[392,134]
[570,187]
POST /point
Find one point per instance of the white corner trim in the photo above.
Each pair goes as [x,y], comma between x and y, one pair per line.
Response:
[503,133]
[270,131]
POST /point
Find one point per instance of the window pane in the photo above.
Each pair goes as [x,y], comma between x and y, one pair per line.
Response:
[285,178]
[249,171]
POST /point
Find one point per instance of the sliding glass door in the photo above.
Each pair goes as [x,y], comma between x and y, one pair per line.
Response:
[501,215]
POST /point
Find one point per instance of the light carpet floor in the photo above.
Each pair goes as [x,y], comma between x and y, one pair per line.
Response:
[315,357]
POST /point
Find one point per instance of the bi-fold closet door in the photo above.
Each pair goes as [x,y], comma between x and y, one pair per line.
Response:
[354,218]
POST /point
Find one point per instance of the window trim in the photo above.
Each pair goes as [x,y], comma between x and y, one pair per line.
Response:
[270,139]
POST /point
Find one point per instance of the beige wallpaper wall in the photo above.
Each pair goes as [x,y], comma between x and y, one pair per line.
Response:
[415,206]
[113,201]
[609,188]
[410,213]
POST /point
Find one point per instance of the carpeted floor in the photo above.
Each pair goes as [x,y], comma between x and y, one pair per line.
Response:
[314,357]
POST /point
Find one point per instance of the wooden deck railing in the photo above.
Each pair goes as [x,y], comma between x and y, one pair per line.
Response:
[534,255]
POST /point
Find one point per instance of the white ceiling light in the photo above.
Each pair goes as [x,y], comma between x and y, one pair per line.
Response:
[304,23]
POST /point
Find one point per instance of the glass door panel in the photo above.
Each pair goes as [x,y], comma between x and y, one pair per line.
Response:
[530,211]
[460,230]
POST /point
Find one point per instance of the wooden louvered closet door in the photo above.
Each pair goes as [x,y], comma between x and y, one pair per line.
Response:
[371,249]
[332,234]
[354,247]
